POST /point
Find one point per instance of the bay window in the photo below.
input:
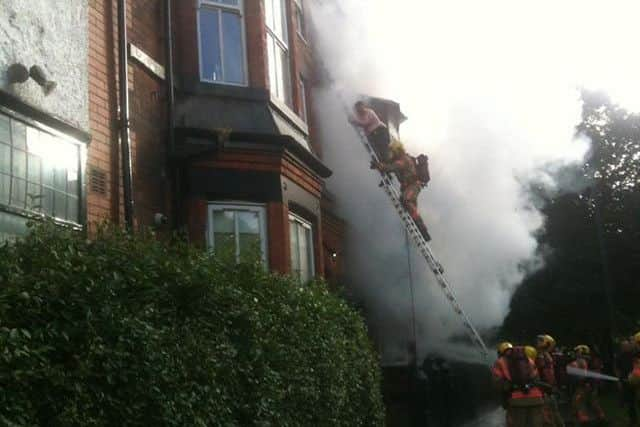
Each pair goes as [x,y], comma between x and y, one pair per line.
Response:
[278,50]
[301,245]
[221,42]
[238,230]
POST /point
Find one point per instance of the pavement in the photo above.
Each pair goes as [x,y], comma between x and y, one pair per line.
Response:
[493,418]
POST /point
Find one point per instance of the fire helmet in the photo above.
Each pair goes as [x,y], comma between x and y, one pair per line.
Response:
[582,350]
[503,346]
[546,342]
[636,338]
[531,352]
[396,147]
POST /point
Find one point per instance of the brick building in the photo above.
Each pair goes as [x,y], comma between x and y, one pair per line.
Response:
[207,124]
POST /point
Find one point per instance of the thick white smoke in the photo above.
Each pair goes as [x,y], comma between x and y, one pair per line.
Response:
[491,90]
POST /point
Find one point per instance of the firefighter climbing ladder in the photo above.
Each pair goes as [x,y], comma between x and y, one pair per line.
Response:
[423,247]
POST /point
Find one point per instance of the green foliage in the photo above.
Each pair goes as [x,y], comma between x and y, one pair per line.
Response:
[126,331]
[589,242]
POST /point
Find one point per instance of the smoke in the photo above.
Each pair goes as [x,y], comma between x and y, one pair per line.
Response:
[491,90]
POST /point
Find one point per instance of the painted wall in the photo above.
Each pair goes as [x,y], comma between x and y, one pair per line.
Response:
[53,35]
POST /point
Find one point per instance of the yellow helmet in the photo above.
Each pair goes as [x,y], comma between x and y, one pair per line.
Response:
[636,338]
[396,147]
[582,350]
[546,342]
[503,346]
[531,352]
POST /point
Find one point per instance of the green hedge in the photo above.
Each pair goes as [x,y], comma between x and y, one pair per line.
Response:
[126,331]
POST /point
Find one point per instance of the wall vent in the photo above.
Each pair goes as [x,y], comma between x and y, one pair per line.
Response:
[97,181]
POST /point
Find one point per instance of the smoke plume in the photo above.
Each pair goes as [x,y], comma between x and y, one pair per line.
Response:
[491,90]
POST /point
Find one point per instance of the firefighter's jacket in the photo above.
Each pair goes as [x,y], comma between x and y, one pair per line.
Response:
[516,396]
[546,368]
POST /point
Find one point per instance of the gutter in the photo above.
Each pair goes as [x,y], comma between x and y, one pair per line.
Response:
[174,173]
[125,125]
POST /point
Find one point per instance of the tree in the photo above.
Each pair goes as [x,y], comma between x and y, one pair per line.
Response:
[590,239]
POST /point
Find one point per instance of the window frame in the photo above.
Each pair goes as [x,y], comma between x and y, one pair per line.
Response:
[239,9]
[80,167]
[258,208]
[301,23]
[280,45]
[302,88]
[308,225]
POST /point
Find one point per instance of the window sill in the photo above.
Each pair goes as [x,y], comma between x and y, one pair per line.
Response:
[193,85]
[290,115]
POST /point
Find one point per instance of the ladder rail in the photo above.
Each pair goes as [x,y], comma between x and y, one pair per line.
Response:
[424,248]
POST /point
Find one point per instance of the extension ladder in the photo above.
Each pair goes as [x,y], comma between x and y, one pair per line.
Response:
[423,246]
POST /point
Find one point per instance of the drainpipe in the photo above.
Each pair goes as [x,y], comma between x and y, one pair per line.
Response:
[171,163]
[125,134]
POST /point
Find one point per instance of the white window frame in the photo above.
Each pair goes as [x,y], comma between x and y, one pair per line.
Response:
[302,87]
[311,245]
[272,37]
[260,209]
[239,9]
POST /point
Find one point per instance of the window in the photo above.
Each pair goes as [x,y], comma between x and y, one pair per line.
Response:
[300,23]
[301,241]
[303,99]
[39,174]
[278,50]
[221,33]
[238,230]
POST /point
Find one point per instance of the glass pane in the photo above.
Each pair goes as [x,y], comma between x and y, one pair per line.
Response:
[19,134]
[18,192]
[210,45]
[72,209]
[273,75]
[5,188]
[268,10]
[294,249]
[35,168]
[19,168]
[305,265]
[224,240]
[5,129]
[249,234]
[73,185]
[34,197]
[60,179]
[47,172]
[12,226]
[59,205]
[47,201]
[248,222]
[279,20]
[233,48]
[284,78]
[223,221]
[5,158]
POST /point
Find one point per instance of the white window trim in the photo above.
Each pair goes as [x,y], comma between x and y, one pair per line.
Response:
[213,4]
[312,255]
[284,45]
[260,209]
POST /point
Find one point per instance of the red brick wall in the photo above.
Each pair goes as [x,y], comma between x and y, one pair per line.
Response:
[147,111]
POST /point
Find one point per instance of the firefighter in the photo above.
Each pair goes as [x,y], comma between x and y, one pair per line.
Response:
[514,375]
[627,369]
[585,405]
[410,185]
[545,344]
[376,131]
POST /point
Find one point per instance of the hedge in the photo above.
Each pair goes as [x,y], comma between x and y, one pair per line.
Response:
[124,330]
